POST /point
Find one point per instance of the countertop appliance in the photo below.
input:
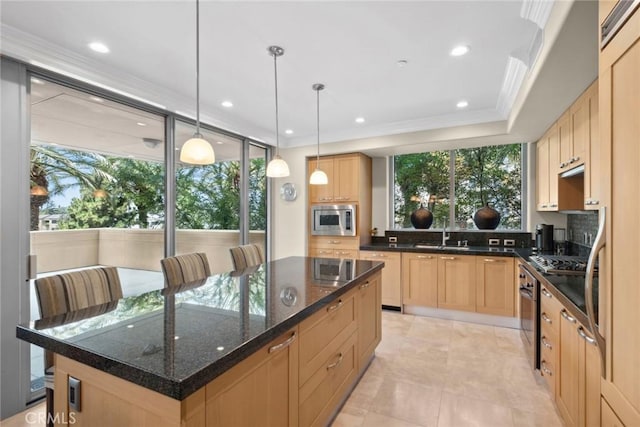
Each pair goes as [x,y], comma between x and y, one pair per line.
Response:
[544,237]
[560,264]
[529,289]
[333,220]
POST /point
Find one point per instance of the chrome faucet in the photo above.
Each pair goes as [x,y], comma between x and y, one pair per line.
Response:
[445,236]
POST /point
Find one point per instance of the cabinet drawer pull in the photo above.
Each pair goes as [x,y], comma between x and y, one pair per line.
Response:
[333,242]
[283,344]
[343,252]
[424,257]
[585,336]
[365,285]
[449,258]
[595,202]
[546,293]
[546,318]
[493,260]
[564,314]
[545,343]
[334,307]
[326,199]
[553,205]
[336,363]
[563,164]
[325,252]
[544,369]
[544,206]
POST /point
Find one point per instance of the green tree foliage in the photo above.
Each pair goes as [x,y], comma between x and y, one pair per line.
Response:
[424,176]
[88,211]
[486,175]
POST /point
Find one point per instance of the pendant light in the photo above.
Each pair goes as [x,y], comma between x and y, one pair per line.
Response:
[277,167]
[318,177]
[197,150]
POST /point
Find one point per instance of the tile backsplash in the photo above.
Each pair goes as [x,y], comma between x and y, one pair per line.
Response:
[581,232]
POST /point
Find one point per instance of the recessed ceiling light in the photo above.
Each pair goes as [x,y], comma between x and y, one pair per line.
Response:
[227,104]
[36,81]
[176,337]
[288,131]
[219,142]
[462,104]
[99,47]
[96,99]
[220,348]
[141,124]
[359,119]
[459,50]
[130,326]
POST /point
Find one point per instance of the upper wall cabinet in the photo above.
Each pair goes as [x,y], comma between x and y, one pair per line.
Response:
[349,177]
[572,141]
[592,176]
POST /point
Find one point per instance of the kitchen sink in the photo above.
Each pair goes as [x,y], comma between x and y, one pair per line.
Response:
[441,247]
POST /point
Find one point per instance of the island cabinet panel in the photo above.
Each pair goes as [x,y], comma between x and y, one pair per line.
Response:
[391,284]
[261,390]
[495,287]
[111,401]
[420,279]
[457,282]
[323,392]
[323,332]
[369,319]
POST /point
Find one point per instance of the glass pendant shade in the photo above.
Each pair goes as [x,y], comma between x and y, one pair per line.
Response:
[197,151]
[277,168]
[318,177]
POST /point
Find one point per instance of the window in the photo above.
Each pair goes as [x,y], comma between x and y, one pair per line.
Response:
[454,184]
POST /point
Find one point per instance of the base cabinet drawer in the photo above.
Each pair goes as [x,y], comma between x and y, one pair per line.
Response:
[324,331]
[322,393]
[548,372]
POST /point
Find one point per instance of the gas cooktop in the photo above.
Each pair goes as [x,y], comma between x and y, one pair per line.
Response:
[560,264]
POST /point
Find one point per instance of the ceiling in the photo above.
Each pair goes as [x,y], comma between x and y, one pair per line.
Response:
[518,49]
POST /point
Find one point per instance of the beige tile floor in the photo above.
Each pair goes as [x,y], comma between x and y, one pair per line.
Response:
[432,372]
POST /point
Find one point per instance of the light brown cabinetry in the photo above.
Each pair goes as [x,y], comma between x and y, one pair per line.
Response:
[349,183]
[333,247]
[495,291]
[619,92]
[349,179]
[457,282]
[549,337]
[420,279]
[268,379]
[482,284]
[592,175]
[548,153]
[578,383]
[369,318]
[568,156]
[391,284]
[336,343]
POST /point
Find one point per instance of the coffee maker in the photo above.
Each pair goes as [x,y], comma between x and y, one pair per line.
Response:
[544,237]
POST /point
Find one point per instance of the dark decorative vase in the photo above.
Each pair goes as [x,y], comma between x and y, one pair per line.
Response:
[486,218]
[421,218]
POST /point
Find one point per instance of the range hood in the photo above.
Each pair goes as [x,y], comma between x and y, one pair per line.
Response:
[579,170]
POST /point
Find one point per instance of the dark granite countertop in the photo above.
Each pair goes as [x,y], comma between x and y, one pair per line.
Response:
[449,249]
[177,343]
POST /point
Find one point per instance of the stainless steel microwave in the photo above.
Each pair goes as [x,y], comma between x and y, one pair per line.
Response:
[333,220]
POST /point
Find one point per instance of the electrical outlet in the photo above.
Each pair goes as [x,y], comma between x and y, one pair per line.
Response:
[494,242]
[508,242]
[393,239]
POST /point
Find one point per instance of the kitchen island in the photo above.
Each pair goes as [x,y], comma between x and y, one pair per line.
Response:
[283,344]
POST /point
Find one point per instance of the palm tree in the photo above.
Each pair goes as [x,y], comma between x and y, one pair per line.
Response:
[56,170]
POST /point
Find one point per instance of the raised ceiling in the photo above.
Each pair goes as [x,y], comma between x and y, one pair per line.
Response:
[351,46]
